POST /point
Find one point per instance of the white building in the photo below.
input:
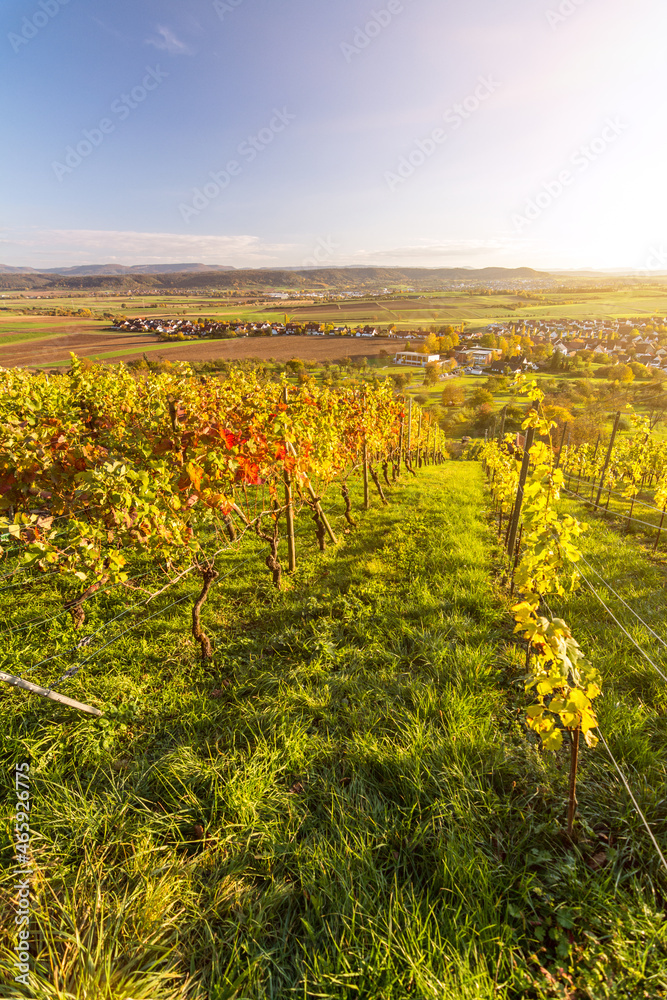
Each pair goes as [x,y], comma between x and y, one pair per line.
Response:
[481,356]
[415,358]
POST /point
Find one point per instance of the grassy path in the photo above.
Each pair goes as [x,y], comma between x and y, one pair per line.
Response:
[344,806]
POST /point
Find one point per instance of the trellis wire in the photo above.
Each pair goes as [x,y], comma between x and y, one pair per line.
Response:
[72,671]
[45,621]
[616,493]
[630,609]
[635,803]
[622,627]
[610,513]
[69,673]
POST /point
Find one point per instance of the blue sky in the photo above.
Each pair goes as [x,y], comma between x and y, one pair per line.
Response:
[260,133]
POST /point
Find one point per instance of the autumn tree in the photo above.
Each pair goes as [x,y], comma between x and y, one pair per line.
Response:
[654,398]
[480,396]
[453,394]
[431,345]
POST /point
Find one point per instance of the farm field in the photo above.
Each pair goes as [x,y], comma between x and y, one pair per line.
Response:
[470,306]
[117,347]
[46,349]
[478,310]
[16,330]
[343,802]
[278,348]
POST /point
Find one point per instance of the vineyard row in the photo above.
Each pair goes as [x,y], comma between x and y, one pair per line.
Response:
[100,466]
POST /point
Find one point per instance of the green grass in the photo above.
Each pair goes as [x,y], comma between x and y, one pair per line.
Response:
[10,340]
[436,308]
[376,822]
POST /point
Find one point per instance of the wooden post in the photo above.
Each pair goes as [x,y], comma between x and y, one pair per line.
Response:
[400,446]
[410,431]
[502,423]
[662,521]
[514,526]
[567,443]
[560,450]
[47,693]
[419,440]
[595,453]
[516,557]
[291,541]
[318,506]
[365,457]
[289,512]
[323,517]
[606,461]
[574,760]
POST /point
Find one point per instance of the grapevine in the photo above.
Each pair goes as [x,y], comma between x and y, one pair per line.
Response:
[561,681]
[99,465]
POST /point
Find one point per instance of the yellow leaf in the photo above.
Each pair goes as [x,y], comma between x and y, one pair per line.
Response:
[579,699]
[553,741]
[195,474]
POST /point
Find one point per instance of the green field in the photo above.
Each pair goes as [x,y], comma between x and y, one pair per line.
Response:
[345,802]
[21,329]
[468,305]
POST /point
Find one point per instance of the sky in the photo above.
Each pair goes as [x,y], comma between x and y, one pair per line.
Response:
[269,133]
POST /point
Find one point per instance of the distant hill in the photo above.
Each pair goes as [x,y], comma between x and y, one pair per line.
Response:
[111,277]
[115,269]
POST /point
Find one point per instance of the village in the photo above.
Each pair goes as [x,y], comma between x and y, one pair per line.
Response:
[496,348]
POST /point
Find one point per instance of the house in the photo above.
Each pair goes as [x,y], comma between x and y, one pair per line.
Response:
[511,365]
[415,358]
[481,356]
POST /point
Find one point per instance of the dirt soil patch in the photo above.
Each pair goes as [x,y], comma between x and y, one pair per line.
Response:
[278,348]
[46,352]
[58,348]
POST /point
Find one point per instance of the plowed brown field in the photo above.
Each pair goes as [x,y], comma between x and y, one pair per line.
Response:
[279,348]
[58,348]
[46,352]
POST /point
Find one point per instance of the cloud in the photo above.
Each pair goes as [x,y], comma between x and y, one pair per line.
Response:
[457,253]
[167,41]
[38,248]
[67,247]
